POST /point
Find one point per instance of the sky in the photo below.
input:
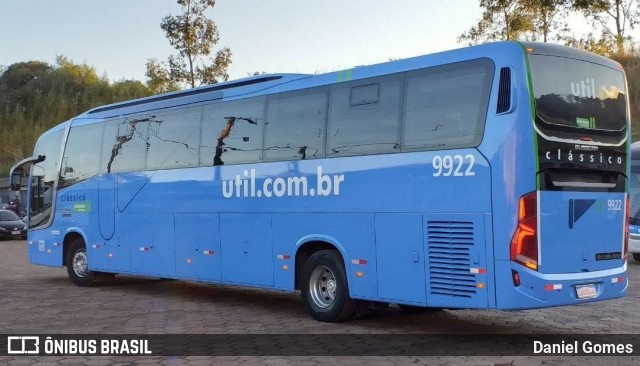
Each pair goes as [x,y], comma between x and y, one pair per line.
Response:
[117,37]
[299,36]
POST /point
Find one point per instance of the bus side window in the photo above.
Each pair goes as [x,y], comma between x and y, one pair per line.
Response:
[173,139]
[446,106]
[295,125]
[124,144]
[80,157]
[364,117]
[232,132]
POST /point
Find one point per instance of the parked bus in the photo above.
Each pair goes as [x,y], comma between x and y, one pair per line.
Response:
[492,176]
[634,195]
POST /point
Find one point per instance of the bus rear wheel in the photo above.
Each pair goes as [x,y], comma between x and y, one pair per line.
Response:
[325,292]
[78,264]
[636,257]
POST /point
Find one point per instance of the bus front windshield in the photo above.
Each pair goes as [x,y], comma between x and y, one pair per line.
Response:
[578,96]
[43,178]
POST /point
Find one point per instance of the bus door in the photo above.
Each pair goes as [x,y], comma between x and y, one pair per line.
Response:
[106,205]
[124,148]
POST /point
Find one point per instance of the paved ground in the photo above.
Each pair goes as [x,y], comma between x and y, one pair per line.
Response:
[40,300]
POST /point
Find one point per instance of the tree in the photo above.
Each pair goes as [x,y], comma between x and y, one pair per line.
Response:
[623,13]
[548,16]
[128,89]
[194,36]
[159,78]
[518,19]
[501,20]
[603,45]
[35,96]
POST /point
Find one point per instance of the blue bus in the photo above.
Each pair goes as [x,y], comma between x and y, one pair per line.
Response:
[488,177]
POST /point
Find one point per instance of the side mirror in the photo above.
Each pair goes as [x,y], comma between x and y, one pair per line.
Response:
[15,176]
[16,179]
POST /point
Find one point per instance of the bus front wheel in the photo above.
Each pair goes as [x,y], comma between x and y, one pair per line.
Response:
[78,264]
[325,292]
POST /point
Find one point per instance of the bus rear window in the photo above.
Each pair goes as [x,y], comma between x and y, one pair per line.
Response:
[574,94]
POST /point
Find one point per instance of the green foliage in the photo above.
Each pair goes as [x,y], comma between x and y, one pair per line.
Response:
[602,45]
[158,78]
[613,17]
[532,20]
[35,96]
[548,17]
[518,20]
[194,36]
[501,20]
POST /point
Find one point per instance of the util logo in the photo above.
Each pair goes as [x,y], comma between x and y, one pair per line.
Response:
[585,88]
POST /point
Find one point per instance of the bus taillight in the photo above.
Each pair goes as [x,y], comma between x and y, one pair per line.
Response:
[625,248]
[524,245]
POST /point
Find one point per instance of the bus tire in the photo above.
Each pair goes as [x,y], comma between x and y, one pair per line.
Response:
[418,309]
[636,257]
[325,291]
[78,264]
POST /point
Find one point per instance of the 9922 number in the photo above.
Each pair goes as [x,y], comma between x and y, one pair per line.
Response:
[453,165]
[614,205]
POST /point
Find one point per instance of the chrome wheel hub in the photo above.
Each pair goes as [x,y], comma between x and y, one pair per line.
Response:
[80,264]
[322,287]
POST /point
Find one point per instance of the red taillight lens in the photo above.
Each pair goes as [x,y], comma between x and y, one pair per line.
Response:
[625,249]
[516,278]
[524,245]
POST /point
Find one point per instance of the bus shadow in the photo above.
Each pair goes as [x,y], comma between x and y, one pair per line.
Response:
[447,321]
[452,321]
[195,291]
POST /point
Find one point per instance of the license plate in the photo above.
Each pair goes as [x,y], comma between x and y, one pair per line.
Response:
[15,232]
[586,291]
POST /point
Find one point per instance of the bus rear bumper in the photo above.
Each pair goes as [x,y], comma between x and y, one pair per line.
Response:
[540,290]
